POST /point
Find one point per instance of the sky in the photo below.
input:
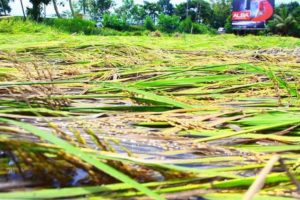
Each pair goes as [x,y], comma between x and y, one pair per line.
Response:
[17,11]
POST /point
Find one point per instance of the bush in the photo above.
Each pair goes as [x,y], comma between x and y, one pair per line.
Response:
[228,25]
[293,30]
[136,28]
[113,26]
[286,21]
[149,24]
[296,31]
[108,32]
[186,25]
[168,24]
[17,25]
[114,22]
[203,29]
[75,25]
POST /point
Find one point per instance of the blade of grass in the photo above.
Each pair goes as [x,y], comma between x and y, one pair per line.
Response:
[260,181]
[153,97]
[77,152]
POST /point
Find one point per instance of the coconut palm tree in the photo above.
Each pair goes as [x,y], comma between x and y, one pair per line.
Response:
[23,11]
[71,8]
[56,9]
[3,8]
[284,22]
[84,6]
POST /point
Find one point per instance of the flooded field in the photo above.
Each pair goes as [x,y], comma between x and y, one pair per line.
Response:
[124,117]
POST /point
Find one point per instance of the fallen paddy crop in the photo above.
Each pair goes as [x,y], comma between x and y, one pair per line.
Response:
[125,117]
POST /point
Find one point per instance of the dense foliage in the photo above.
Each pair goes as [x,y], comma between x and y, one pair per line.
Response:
[4,7]
[168,23]
[149,24]
[35,10]
[115,22]
[16,25]
[286,20]
[75,25]
[199,10]
[192,16]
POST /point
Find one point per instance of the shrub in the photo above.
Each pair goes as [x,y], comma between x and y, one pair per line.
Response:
[296,31]
[168,24]
[115,22]
[17,25]
[75,25]
[203,29]
[186,25]
[149,24]
[228,25]
[136,28]
[108,32]
[137,33]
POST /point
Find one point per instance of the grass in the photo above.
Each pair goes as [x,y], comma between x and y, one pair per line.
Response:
[56,32]
[186,42]
[106,117]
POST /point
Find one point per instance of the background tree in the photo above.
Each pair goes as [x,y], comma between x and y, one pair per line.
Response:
[139,14]
[186,25]
[152,10]
[4,7]
[168,24]
[55,8]
[115,22]
[221,11]
[127,11]
[78,8]
[149,24]
[23,10]
[97,8]
[291,6]
[285,22]
[71,8]
[228,25]
[83,6]
[199,10]
[35,10]
[166,7]
[296,14]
